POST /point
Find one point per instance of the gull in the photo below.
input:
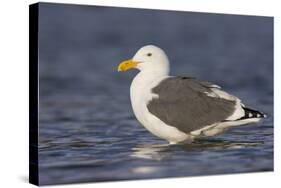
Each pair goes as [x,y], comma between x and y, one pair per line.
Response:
[179,108]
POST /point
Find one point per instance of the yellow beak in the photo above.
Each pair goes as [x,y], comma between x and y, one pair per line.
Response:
[126,65]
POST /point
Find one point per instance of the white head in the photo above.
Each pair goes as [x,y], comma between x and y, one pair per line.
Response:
[149,58]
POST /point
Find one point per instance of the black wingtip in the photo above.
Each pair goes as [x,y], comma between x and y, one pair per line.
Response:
[250,113]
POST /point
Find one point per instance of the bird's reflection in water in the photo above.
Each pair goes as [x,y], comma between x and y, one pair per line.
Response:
[165,151]
[149,151]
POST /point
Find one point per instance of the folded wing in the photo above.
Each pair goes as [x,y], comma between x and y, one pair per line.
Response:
[189,104]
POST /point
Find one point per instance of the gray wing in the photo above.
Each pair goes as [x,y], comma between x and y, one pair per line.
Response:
[183,103]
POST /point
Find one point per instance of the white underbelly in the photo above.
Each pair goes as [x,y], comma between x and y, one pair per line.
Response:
[140,96]
[156,126]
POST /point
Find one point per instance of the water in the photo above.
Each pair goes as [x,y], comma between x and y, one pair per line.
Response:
[88,131]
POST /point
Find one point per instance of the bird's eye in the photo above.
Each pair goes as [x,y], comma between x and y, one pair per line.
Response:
[149,54]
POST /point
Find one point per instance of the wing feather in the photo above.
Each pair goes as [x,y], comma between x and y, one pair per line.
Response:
[183,103]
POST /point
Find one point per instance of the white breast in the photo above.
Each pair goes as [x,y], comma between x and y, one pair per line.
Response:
[141,94]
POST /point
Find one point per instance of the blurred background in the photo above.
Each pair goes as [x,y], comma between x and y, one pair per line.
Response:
[87,128]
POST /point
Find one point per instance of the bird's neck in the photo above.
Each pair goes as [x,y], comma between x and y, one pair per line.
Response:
[149,76]
[144,81]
